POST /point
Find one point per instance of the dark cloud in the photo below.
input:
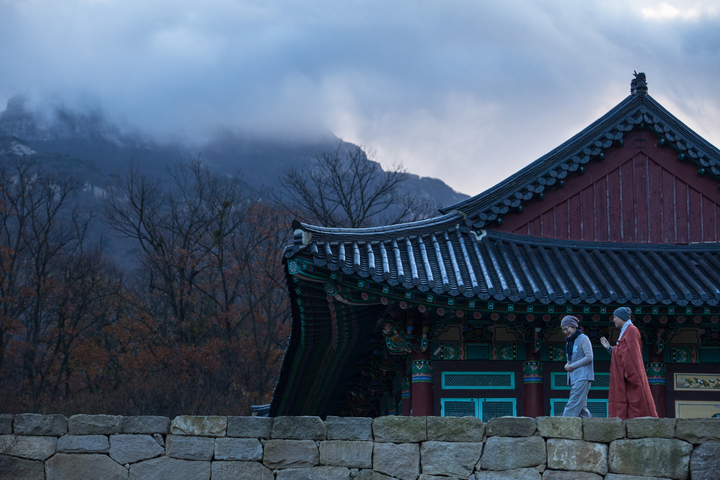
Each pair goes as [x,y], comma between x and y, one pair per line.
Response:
[462,90]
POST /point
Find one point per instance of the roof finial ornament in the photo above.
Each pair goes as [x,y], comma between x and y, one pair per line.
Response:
[638,85]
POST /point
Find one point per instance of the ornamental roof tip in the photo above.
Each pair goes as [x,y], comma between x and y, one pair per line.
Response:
[638,85]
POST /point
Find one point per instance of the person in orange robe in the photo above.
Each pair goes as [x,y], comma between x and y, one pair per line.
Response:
[629,395]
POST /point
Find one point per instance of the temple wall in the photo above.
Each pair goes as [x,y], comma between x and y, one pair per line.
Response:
[52,447]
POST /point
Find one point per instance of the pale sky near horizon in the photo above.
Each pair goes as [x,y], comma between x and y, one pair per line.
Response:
[466,91]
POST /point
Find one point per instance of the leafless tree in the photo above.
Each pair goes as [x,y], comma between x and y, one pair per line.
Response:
[347,188]
[208,301]
[42,236]
[180,229]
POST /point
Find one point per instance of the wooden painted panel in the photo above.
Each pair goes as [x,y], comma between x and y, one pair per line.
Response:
[655,218]
[601,210]
[640,193]
[709,224]
[561,221]
[642,202]
[695,228]
[574,209]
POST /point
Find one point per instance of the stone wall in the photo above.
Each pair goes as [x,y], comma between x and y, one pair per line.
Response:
[52,447]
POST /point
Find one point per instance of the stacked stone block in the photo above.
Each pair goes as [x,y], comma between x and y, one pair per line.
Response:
[52,447]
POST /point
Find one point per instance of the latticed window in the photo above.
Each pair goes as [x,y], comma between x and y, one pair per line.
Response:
[558,381]
[597,407]
[473,380]
[484,408]
[459,408]
[491,408]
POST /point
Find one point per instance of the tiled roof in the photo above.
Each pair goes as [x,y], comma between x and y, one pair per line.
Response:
[440,257]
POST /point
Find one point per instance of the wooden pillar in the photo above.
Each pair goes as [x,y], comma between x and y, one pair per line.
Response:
[422,385]
[533,401]
[655,370]
[406,397]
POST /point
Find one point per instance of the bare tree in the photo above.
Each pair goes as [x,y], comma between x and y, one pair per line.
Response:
[347,188]
[208,309]
[42,235]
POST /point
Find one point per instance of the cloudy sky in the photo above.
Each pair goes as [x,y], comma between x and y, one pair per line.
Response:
[466,91]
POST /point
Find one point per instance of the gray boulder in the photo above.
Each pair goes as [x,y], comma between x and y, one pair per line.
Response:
[698,430]
[577,455]
[13,468]
[126,448]
[603,430]
[249,427]
[450,458]
[370,475]
[617,476]
[455,429]
[238,449]
[557,475]
[705,462]
[189,448]
[298,428]
[92,466]
[649,427]
[504,453]
[658,457]
[146,424]
[510,427]
[95,424]
[560,427]
[399,429]
[31,448]
[43,425]
[208,426]
[240,470]
[343,453]
[400,461]
[166,468]
[290,454]
[349,428]
[83,444]
[314,473]
[517,474]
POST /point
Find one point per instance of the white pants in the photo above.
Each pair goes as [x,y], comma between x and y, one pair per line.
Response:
[577,403]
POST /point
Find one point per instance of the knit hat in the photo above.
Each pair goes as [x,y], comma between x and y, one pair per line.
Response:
[569,321]
[623,313]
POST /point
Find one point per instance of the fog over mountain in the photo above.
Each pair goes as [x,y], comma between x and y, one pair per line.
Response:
[89,138]
[92,148]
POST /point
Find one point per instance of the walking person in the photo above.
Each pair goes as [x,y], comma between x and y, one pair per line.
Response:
[579,366]
[629,395]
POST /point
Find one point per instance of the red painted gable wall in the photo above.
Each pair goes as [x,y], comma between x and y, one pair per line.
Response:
[638,193]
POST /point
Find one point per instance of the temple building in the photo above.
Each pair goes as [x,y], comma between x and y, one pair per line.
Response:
[460,314]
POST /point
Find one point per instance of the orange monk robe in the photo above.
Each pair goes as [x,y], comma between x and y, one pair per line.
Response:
[629,395]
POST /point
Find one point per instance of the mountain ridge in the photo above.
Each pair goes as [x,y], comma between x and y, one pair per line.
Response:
[65,139]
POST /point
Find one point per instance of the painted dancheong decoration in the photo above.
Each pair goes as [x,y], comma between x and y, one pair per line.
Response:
[625,213]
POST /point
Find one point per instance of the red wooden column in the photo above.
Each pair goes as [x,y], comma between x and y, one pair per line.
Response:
[533,401]
[655,370]
[422,385]
[406,397]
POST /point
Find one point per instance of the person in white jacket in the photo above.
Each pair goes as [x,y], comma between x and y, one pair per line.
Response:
[579,366]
